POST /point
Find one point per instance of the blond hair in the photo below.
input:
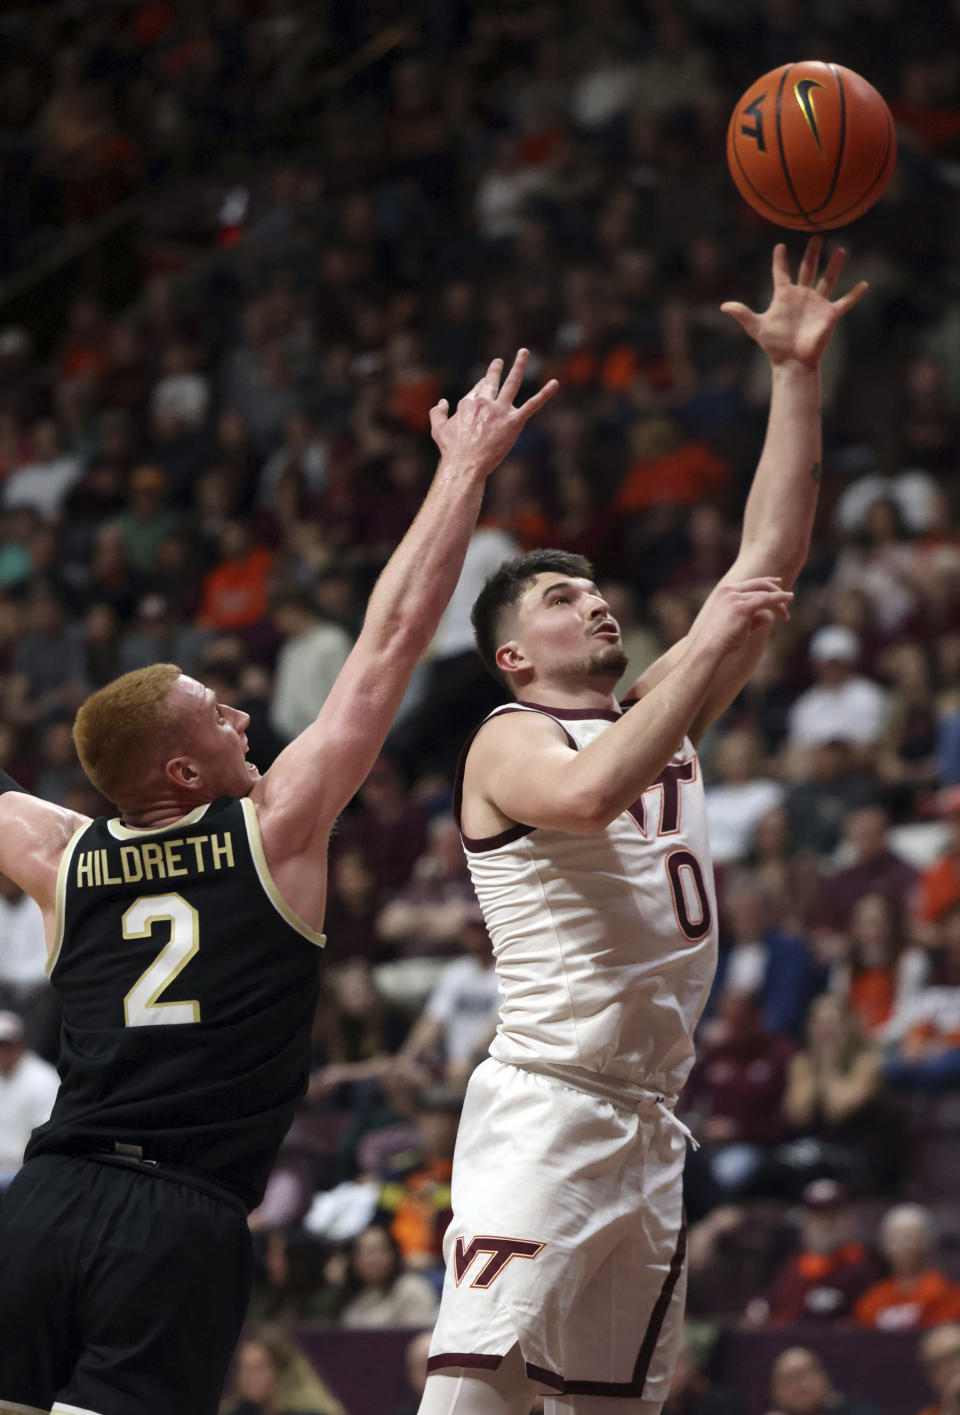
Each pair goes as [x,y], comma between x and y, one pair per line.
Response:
[299,1387]
[121,726]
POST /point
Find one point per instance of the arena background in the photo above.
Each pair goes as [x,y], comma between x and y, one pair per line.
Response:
[244,246]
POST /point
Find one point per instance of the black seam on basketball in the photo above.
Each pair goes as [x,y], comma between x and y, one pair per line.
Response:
[780,210]
[843,139]
[801,209]
[886,153]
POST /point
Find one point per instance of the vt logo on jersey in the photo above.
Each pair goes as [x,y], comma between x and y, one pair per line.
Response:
[501,1250]
[803,91]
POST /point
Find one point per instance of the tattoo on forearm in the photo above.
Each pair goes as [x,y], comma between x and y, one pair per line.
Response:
[816,471]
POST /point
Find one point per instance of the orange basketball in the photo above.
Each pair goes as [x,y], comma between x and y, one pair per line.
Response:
[811,145]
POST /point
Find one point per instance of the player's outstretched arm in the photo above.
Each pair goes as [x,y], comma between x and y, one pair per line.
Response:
[521,766]
[311,781]
[33,836]
[793,331]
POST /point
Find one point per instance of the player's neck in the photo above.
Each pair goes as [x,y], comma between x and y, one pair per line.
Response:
[159,811]
[582,696]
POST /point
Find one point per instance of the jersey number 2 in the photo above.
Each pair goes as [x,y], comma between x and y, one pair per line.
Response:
[140,1006]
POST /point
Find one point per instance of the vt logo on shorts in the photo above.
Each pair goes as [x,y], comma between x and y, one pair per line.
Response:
[501,1250]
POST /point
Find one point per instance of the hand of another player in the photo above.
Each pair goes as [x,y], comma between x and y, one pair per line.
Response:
[486,424]
[733,611]
[801,317]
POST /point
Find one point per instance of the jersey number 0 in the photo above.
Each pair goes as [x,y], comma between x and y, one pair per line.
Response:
[141,1007]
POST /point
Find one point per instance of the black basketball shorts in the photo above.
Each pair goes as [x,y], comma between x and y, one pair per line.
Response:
[121,1292]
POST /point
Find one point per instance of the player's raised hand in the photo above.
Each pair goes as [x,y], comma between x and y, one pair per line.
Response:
[486,424]
[734,610]
[801,317]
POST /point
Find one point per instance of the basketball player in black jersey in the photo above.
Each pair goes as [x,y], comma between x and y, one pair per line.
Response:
[184,939]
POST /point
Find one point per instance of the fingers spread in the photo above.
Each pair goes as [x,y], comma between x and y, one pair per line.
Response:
[745,317]
[848,301]
[439,414]
[811,259]
[781,269]
[829,277]
[538,399]
[513,380]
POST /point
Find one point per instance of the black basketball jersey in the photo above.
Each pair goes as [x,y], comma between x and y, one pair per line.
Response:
[188,988]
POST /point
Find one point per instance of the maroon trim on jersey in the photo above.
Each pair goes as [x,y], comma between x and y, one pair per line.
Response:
[463,1358]
[575,714]
[632,1389]
[513,832]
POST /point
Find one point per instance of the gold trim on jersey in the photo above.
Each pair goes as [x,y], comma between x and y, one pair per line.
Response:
[266,879]
[59,918]
[9,1407]
[119,831]
[61,1409]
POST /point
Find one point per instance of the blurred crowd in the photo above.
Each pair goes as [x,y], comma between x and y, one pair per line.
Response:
[216,474]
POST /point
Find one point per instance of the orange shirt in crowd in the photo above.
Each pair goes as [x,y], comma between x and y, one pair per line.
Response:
[235,591]
[892,1305]
[939,888]
[871,996]
[685,476]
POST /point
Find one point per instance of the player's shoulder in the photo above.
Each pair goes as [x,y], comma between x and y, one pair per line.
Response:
[516,725]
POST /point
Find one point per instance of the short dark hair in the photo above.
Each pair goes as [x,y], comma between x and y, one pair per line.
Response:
[504,589]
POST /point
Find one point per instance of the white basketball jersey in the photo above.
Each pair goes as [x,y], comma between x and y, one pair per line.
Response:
[605,944]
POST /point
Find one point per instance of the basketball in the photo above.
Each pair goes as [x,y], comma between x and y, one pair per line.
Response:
[811,145]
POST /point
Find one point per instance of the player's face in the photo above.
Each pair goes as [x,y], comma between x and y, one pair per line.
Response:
[217,740]
[565,630]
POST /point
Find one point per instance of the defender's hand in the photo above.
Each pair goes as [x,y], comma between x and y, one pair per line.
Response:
[801,317]
[486,424]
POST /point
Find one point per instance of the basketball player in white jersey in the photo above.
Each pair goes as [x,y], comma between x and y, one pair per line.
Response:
[585,832]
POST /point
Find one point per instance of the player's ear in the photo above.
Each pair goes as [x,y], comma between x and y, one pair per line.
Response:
[510,658]
[181,771]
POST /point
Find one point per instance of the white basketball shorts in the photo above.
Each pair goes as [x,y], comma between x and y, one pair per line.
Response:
[567,1237]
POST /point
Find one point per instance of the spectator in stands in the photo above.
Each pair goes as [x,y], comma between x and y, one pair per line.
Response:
[874,968]
[939,1352]
[44,482]
[427,915]
[924,1034]
[881,566]
[148,519]
[415,1365]
[916,1294]
[832,784]
[353,908]
[289,1284]
[357,1033]
[28,1088]
[273,1377]
[842,706]
[47,676]
[379,1291]
[24,986]
[738,795]
[939,885]
[758,956]
[157,635]
[735,1094]
[235,591]
[311,655]
[834,1102]
[415,1198]
[875,869]
[389,826]
[829,1269]
[456,1027]
[692,1392]
[800,1385]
